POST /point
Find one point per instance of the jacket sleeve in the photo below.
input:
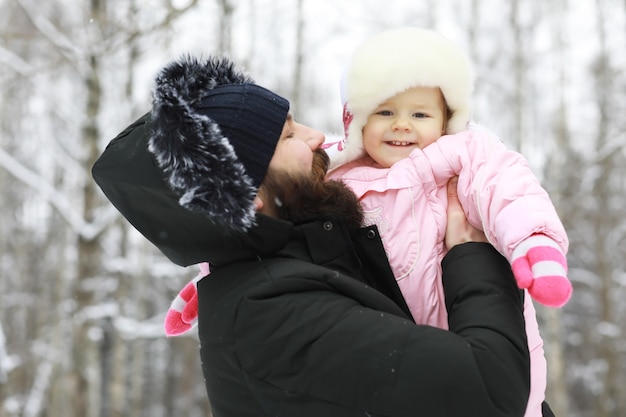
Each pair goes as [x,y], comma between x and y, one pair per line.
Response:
[497,189]
[335,347]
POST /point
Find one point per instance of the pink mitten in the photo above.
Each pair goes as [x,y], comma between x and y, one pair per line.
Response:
[539,265]
[183,313]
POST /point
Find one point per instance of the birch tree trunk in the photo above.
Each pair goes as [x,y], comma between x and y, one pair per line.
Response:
[519,69]
[87,372]
[604,191]
[554,335]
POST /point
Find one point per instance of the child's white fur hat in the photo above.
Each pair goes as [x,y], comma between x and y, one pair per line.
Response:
[393,61]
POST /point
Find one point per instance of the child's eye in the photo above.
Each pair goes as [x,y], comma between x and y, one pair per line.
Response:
[420,115]
[384,112]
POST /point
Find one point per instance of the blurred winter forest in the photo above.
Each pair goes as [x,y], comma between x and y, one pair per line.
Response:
[83,296]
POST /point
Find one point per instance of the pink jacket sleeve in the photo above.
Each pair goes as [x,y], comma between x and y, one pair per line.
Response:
[497,189]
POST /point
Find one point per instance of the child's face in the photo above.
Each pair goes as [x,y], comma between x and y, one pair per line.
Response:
[412,119]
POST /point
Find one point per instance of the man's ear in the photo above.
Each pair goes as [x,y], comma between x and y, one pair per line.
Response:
[261,207]
[258,203]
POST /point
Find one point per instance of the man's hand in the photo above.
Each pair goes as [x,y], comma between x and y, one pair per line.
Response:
[459,230]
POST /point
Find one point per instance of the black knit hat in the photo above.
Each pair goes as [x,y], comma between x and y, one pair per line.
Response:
[214,140]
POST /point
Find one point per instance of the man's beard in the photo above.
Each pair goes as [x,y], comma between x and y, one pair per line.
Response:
[308,197]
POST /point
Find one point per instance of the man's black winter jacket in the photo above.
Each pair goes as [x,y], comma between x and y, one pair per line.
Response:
[292,333]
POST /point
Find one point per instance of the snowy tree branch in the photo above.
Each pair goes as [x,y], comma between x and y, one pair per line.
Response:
[63,206]
[14,61]
[64,45]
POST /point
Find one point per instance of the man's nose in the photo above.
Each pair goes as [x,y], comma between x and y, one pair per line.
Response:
[313,137]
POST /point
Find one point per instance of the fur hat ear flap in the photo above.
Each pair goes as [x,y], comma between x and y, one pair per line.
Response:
[213,135]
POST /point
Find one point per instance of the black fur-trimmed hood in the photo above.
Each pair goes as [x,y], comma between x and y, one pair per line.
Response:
[199,162]
[157,171]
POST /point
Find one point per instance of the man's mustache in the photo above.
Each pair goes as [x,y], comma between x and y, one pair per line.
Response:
[321,163]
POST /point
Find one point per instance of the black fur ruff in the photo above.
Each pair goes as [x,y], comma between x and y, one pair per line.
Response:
[198,160]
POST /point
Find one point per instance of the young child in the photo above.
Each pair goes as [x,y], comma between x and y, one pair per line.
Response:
[403,90]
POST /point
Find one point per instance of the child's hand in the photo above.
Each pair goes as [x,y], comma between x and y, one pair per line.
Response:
[183,313]
[540,265]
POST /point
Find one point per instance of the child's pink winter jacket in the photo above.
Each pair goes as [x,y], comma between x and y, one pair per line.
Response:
[499,194]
